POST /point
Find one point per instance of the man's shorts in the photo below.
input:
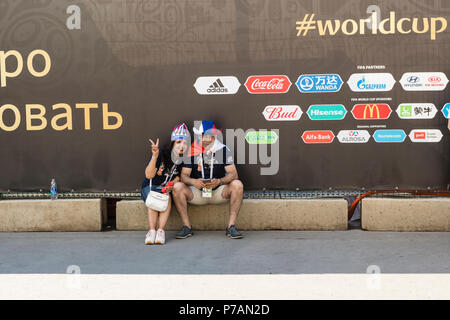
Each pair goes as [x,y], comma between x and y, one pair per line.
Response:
[216,197]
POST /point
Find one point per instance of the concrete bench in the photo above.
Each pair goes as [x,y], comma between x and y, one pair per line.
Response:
[277,214]
[388,214]
[48,215]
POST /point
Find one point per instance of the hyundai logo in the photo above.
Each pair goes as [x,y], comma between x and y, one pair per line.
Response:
[413,79]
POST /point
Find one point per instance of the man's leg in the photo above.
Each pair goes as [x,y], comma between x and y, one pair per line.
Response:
[235,192]
[181,195]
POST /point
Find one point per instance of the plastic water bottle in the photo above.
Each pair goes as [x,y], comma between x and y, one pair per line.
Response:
[53,190]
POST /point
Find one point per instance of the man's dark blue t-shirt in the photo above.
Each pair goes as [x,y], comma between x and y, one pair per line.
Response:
[221,159]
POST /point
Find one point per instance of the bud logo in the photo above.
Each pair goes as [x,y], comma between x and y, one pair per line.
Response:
[353,136]
[425,135]
[416,111]
[446,110]
[267,84]
[371,111]
[326,112]
[311,83]
[387,136]
[363,82]
[424,81]
[318,136]
[282,113]
[217,85]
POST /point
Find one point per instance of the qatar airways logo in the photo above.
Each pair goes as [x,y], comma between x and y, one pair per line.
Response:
[267,84]
[282,113]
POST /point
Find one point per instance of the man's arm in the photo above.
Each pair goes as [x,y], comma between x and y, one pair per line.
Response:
[231,174]
[187,180]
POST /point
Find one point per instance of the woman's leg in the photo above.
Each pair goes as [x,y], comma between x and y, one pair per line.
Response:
[164,216]
[152,217]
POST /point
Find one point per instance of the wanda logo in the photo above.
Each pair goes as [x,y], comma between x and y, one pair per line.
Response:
[267,84]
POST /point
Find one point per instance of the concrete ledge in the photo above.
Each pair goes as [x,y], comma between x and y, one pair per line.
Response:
[387,214]
[47,215]
[326,214]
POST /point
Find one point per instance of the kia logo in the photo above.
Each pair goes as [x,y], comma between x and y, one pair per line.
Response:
[434,79]
[413,79]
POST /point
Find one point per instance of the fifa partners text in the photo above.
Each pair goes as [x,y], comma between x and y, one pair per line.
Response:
[431,25]
[36,115]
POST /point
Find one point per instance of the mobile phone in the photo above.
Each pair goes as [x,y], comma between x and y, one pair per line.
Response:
[206,180]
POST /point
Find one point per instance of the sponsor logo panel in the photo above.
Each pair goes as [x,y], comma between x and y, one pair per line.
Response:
[446,110]
[371,111]
[217,85]
[282,113]
[326,112]
[316,83]
[353,136]
[261,137]
[425,135]
[267,84]
[318,136]
[364,82]
[389,136]
[424,81]
[416,111]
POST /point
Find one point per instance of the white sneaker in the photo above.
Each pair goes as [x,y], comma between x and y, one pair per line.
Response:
[150,237]
[160,237]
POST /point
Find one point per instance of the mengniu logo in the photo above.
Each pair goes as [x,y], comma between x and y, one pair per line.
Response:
[217,85]
[446,110]
[416,111]
[261,137]
[318,136]
[316,83]
[389,136]
[267,84]
[371,111]
[326,112]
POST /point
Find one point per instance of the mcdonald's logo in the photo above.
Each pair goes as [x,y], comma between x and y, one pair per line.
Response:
[371,111]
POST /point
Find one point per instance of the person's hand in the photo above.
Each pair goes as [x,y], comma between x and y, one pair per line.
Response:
[198,183]
[155,147]
[169,187]
[213,183]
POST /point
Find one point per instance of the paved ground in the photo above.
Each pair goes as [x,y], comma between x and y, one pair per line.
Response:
[260,252]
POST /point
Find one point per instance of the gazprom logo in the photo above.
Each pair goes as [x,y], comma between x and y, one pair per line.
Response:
[361,82]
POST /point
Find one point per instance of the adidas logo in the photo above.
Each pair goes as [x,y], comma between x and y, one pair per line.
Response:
[217,86]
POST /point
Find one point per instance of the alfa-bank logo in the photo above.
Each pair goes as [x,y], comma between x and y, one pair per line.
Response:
[282,113]
[267,84]
[217,85]
[318,136]
[364,82]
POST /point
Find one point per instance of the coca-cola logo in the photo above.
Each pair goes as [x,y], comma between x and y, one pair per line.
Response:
[267,84]
[282,113]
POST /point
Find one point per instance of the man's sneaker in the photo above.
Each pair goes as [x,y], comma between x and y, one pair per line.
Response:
[233,233]
[184,233]
[150,237]
[160,237]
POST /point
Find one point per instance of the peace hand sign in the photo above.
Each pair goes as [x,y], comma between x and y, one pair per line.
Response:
[155,147]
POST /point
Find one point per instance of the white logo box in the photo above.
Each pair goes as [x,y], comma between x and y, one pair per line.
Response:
[418,111]
[423,81]
[425,135]
[284,113]
[353,136]
[211,85]
[372,82]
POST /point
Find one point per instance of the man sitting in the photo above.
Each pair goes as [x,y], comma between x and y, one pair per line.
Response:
[208,176]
